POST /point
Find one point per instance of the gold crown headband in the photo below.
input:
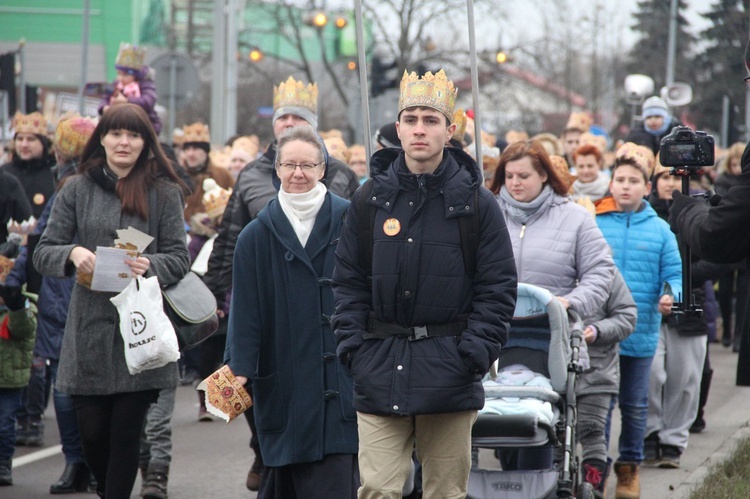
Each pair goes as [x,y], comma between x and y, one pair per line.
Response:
[197,132]
[131,56]
[293,93]
[30,123]
[431,90]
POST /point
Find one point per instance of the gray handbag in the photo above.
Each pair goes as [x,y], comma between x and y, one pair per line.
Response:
[189,304]
[191,307]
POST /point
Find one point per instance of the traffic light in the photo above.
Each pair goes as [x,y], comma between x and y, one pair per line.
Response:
[316,19]
[380,80]
[255,55]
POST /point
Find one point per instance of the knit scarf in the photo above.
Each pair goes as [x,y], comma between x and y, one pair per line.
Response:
[301,209]
[522,212]
[594,190]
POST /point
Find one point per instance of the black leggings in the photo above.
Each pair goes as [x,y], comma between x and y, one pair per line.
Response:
[110,427]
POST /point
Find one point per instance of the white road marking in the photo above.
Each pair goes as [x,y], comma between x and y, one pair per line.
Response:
[37,456]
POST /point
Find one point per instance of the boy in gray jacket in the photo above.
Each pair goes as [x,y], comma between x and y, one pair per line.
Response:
[599,384]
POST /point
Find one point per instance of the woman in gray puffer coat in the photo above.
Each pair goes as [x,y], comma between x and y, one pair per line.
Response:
[121,165]
[556,242]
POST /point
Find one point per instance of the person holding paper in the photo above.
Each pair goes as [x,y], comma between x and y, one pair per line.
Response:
[122,169]
[279,336]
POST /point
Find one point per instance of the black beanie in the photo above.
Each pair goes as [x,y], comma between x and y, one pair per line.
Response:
[200,145]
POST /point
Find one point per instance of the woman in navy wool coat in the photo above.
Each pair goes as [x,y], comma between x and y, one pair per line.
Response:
[279,336]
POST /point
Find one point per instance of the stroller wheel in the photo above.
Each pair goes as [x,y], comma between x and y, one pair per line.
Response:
[586,491]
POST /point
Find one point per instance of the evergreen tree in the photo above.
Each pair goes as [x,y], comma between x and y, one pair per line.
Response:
[649,55]
[720,67]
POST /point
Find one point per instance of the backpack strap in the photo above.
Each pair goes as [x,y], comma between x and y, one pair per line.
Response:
[470,228]
[365,225]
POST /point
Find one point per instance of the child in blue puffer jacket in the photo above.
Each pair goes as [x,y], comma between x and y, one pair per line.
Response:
[646,253]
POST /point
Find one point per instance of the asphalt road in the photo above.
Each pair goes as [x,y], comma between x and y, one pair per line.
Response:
[212,459]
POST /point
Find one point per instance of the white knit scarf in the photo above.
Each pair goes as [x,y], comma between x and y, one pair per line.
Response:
[301,209]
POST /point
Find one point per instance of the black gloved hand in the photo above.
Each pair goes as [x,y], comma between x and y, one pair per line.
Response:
[679,203]
[13,298]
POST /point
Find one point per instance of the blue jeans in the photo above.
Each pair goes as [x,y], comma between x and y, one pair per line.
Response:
[634,374]
[67,424]
[10,402]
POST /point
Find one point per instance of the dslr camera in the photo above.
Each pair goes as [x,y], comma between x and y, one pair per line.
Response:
[686,148]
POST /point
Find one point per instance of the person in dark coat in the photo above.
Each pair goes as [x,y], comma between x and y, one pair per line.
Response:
[416,326]
[717,233]
[657,123]
[279,336]
[13,203]
[71,136]
[121,164]
[294,104]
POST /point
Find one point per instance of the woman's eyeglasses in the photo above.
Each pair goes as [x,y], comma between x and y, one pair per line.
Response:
[304,166]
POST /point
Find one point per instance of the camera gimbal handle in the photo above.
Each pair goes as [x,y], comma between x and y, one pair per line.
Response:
[687,307]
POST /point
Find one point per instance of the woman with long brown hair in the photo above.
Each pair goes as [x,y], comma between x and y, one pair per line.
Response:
[124,180]
[557,246]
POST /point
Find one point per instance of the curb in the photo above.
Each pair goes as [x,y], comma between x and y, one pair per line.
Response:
[724,452]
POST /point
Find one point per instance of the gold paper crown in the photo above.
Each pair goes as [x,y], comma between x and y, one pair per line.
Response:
[431,90]
[459,118]
[598,141]
[131,56]
[642,156]
[560,166]
[215,198]
[72,134]
[197,132]
[513,136]
[293,93]
[30,123]
[579,121]
[221,157]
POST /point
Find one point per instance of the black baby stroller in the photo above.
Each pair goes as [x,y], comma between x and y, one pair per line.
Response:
[531,402]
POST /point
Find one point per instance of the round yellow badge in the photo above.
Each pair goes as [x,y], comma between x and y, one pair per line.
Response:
[38,199]
[391,227]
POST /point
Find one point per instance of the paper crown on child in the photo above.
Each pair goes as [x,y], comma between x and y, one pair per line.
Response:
[640,156]
[197,132]
[23,229]
[293,93]
[215,198]
[430,90]
[459,118]
[72,134]
[580,121]
[34,123]
[130,57]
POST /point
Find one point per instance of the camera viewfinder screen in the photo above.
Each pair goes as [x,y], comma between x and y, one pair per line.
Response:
[684,152]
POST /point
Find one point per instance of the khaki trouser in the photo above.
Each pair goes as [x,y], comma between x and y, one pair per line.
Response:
[443,444]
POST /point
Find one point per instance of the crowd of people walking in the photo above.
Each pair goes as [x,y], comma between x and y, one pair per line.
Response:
[362,301]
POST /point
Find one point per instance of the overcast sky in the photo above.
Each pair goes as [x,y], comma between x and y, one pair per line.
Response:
[615,19]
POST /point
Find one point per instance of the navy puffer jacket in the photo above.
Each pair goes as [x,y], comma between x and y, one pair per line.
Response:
[418,279]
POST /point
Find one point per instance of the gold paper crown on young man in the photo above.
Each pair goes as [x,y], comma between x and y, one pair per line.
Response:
[293,93]
[130,57]
[30,123]
[197,132]
[431,90]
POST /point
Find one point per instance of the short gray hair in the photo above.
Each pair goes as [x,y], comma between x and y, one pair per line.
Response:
[303,133]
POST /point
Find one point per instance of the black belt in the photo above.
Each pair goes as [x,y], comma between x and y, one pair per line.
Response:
[383,330]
